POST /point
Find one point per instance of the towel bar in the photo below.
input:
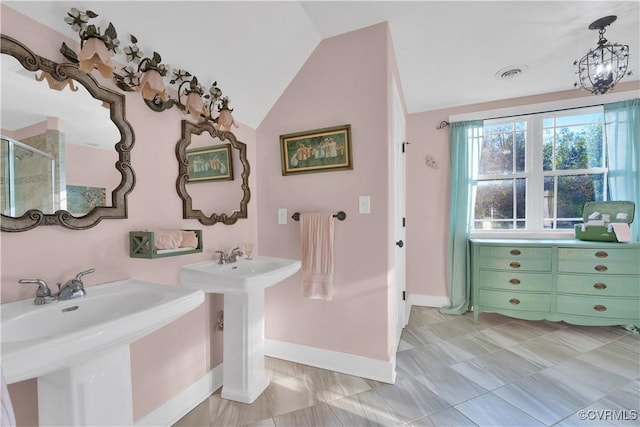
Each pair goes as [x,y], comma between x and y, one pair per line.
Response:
[340,215]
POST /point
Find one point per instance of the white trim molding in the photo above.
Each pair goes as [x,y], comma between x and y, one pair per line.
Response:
[351,364]
[179,405]
[545,106]
[429,300]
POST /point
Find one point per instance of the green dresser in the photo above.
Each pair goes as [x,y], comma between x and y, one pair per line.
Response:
[579,282]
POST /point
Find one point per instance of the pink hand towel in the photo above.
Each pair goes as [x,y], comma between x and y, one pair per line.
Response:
[317,255]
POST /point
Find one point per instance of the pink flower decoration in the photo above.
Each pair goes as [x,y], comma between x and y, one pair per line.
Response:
[151,84]
[94,54]
[226,120]
[195,106]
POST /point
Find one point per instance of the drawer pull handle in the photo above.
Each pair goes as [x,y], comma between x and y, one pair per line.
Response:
[514,264]
[515,252]
[514,301]
[601,254]
[514,281]
[599,307]
[600,286]
[601,267]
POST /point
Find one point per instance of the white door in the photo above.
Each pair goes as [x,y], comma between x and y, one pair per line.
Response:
[399,213]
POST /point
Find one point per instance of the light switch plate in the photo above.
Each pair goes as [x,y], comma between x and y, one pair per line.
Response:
[364,204]
[282,215]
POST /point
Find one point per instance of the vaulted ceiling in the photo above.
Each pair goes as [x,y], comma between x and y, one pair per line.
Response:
[449,53]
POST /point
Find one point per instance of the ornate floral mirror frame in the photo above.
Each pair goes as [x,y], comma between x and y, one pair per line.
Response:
[188,212]
[118,209]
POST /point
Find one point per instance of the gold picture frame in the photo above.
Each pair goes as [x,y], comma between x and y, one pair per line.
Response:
[319,150]
[212,163]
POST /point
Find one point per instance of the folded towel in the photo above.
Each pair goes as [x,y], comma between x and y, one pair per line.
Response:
[8,417]
[317,255]
[167,239]
[189,240]
[622,230]
[174,239]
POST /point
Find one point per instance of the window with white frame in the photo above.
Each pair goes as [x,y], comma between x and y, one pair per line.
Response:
[536,172]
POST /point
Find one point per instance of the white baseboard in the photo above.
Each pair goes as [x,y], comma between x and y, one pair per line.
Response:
[351,364]
[428,300]
[179,405]
[407,310]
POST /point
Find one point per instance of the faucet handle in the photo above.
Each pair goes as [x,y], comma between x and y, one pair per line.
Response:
[223,257]
[73,288]
[84,273]
[43,289]
[76,283]
[42,294]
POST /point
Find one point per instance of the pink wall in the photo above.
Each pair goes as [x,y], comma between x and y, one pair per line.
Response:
[92,167]
[428,188]
[172,358]
[345,80]
[50,123]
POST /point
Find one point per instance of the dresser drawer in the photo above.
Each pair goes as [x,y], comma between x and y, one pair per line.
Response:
[515,258]
[599,254]
[515,300]
[599,307]
[515,281]
[600,267]
[611,286]
[515,252]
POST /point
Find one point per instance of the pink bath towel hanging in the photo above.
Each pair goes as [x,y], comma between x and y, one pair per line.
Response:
[317,255]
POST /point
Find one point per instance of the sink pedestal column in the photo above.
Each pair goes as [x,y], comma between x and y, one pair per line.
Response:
[94,393]
[243,375]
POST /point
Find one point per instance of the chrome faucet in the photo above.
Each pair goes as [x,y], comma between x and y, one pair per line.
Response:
[230,257]
[233,256]
[73,288]
[223,257]
[43,294]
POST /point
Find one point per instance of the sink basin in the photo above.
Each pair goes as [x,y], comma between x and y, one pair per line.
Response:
[242,276]
[41,339]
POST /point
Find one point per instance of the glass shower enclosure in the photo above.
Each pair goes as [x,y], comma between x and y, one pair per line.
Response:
[27,179]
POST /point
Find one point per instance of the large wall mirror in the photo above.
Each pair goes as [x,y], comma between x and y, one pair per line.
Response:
[213,174]
[65,145]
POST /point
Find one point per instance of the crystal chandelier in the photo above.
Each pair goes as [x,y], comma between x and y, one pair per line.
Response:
[605,65]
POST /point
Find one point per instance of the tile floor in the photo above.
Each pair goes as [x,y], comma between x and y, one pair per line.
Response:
[450,372]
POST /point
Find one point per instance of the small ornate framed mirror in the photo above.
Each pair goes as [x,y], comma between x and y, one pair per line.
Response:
[207,158]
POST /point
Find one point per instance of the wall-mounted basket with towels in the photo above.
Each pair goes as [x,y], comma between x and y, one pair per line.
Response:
[340,215]
[164,243]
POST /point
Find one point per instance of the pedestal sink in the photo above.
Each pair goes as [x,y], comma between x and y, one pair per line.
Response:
[79,349]
[242,284]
